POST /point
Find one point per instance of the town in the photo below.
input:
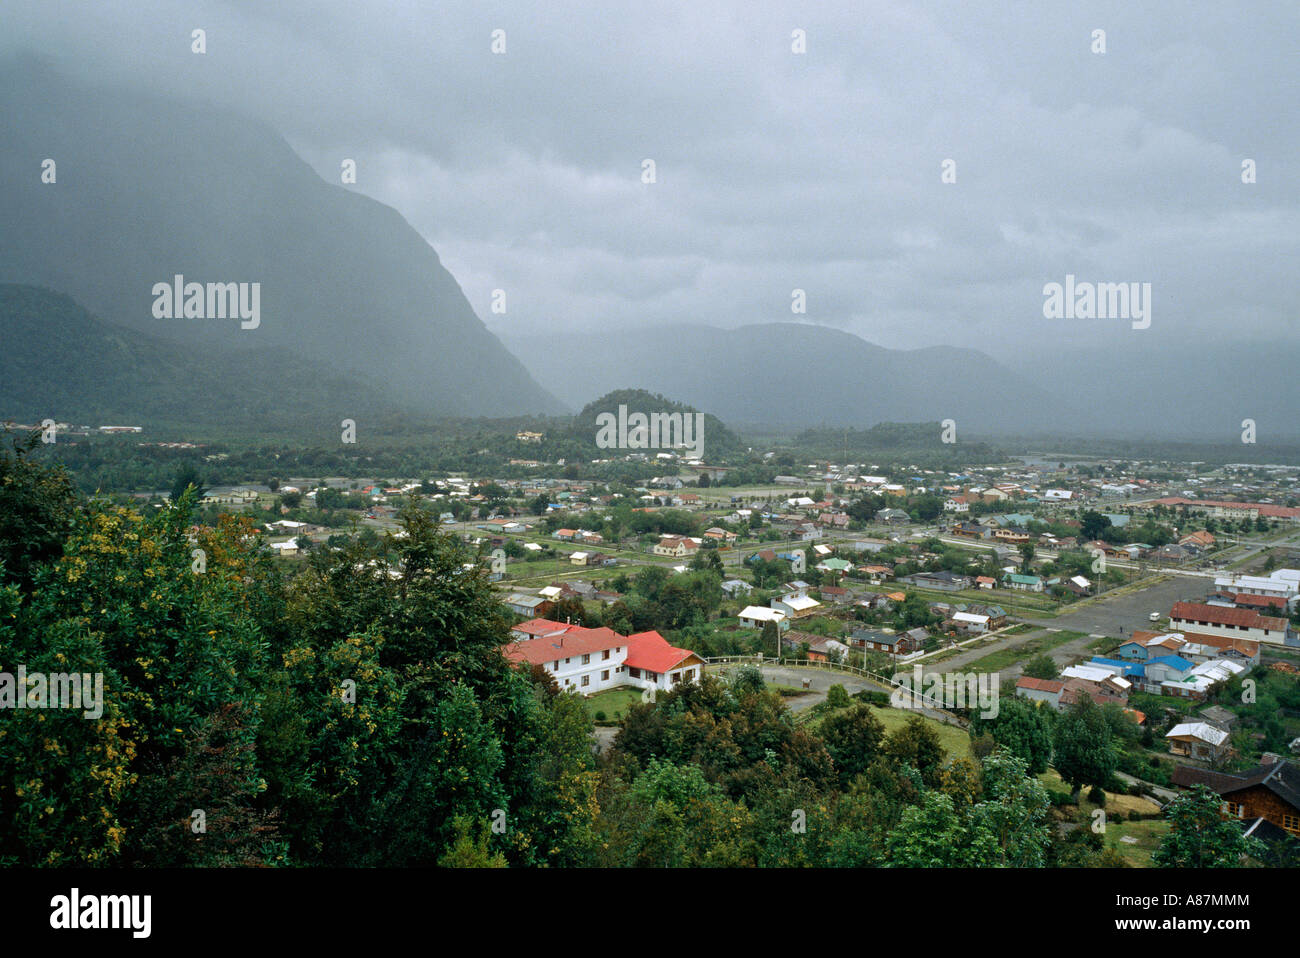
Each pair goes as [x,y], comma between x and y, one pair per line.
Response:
[1167,592]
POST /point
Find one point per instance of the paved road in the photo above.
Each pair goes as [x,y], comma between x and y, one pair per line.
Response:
[1107,616]
[1099,617]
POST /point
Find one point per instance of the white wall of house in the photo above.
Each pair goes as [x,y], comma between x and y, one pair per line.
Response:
[663,681]
[1038,695]
[570,671]
[1271,636]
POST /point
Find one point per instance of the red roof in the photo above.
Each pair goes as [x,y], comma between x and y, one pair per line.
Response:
[1222,615]
[1247,647]
[1274,601]
[1265,509]
[536,627]
[577,641]
[1039,685]
[650,651]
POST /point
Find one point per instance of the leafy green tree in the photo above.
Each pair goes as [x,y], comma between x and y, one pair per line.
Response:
[853,739]
[1024,730]
[472,846]
[934,835]
[37,502]
[1041,666]
[1200,836]
[1083,745]
[1026,556]
[1016,809]
[1093,525]
[916,743]
[186,476]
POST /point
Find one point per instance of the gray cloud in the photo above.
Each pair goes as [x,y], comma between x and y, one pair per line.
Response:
[776,171]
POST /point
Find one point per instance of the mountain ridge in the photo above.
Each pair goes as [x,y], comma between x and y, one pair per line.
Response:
[172,188]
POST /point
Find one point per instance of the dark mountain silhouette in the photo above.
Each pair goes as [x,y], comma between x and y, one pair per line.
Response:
[791,374]
[148,188]
[60,362]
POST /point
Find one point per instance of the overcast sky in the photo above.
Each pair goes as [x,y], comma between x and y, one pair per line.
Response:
[776,170]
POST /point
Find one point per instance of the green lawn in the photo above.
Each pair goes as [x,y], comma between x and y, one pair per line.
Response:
[1148,833]
[613,702]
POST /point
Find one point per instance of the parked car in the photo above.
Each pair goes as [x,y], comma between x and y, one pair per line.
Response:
[1154,617]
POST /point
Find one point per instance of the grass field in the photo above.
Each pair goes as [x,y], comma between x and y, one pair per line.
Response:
[955,741]
[1015,603]
[1148,833]
[613,702]
[1114,803]
[997,661]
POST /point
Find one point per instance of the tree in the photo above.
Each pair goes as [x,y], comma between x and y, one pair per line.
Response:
[928,508]
[1016,810]
[1024,730]
[1200,836]
[37,504]
[916,743]
[1041,666]
[771,635]
[852,738]
[187,476]
[1026,556]
[1092,524]
[1082,745]
[933,835]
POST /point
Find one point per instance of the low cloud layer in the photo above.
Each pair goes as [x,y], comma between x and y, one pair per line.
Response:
[775,170]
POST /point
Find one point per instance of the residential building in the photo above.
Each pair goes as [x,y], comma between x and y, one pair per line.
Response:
[676,546]
[1040,690]
[757,616]
[796,606]
[1270,791]
[1198,740]
[529,605]
[651,661]
[1232,623]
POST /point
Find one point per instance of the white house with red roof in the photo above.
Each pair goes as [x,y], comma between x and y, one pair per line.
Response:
[593,660]
[1231,623]
[579,659]
[652,661]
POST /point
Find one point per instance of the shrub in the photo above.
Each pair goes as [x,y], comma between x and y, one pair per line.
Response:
[1096,796]
[600,715]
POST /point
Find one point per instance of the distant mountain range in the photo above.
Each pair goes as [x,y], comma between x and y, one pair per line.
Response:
[794,375]
[1144,385]
[147,188]
[358,314]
